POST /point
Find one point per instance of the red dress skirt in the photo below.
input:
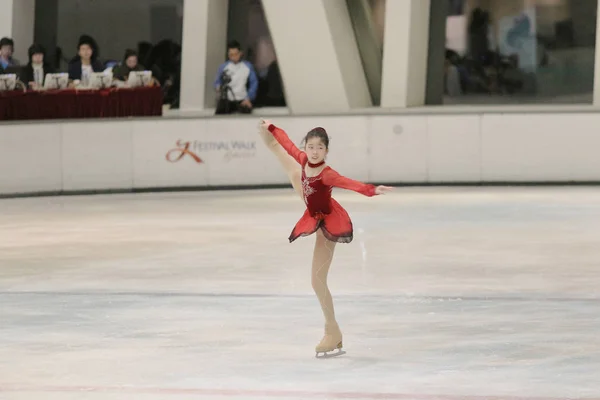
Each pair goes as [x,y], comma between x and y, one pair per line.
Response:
[322,211]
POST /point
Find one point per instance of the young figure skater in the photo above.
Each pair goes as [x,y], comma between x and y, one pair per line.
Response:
[313,181]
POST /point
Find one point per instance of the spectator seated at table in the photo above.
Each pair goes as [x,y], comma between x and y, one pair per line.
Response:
[7,47]
[130,63]
[86,63]
[37,68]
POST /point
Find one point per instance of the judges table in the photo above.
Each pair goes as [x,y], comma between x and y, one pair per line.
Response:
[69,104]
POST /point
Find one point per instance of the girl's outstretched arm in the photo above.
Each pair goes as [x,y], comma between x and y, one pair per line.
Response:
[333,178]
[285,142]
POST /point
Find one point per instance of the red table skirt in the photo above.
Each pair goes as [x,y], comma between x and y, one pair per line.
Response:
[68,104]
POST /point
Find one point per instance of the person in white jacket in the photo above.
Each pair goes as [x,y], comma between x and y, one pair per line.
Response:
[236,83]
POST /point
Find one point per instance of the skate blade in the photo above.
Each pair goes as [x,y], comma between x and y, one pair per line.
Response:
[330,354]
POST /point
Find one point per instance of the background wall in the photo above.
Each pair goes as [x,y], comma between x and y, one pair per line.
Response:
[115,24]
[133,154]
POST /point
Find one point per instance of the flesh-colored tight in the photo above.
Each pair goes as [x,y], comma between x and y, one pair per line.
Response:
[324,248]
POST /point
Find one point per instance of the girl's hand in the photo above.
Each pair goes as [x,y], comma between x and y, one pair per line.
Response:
[382,190]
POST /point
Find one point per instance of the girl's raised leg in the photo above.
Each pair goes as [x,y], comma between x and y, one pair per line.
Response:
[290,166]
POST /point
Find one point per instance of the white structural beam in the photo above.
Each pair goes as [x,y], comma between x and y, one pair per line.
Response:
[17,21]
[204,46]
[6,19]
[318,56]
[404,75]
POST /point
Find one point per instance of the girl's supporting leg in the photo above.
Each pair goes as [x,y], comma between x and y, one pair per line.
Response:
[323,255]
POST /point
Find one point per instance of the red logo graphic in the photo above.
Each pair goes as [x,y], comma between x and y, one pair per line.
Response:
[182,149]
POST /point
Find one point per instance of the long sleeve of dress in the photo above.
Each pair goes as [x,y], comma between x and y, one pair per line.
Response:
[332,178]
[288,145]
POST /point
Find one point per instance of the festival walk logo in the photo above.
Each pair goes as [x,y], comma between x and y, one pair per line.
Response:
[182,149]
[229,150]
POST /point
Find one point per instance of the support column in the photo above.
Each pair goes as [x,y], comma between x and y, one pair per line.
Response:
[323,73]
[436,53]
[405,48]
[204,48]
[597,60]
[370,44]
[17,22]
[6,21]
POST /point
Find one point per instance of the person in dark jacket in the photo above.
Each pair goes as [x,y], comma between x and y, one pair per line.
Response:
[130,63]
[37,68]
[86,63]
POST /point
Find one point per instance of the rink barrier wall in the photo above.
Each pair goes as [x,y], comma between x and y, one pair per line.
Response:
[120,156]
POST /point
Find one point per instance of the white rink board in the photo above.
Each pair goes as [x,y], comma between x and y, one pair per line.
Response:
[234,153]
[548,147]
[96,156]
[135,154]
[30,158]
[453,148]
[398,150]
[158,161]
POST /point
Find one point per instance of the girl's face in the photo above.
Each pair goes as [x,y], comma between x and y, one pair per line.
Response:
[315,150]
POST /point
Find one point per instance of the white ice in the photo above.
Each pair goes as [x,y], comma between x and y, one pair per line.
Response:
[445,293]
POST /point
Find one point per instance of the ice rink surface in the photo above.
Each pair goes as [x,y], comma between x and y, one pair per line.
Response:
[444,294]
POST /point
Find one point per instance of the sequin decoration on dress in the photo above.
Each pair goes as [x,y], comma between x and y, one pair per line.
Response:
[307,189]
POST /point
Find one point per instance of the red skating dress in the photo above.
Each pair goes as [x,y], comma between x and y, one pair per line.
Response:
[322,211]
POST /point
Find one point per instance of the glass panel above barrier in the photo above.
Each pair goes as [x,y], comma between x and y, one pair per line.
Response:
[519,51]
[247,27]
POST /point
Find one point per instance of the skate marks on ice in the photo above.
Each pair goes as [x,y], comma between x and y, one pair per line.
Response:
[396,345]
[465,294]
[74,392]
